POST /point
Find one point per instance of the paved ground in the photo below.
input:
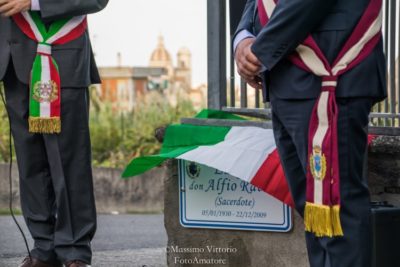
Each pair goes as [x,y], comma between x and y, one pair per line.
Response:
[121,240]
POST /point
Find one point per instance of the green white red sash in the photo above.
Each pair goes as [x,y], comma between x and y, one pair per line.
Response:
[45,84]
[322,211]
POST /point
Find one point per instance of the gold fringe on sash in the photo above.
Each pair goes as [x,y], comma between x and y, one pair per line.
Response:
[322,220]
[44,125]
[337,226]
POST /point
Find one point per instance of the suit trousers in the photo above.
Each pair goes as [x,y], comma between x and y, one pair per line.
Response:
[290,123]
[56,184]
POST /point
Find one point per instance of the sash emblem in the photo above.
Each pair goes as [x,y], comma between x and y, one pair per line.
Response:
[318,164]
[45,92]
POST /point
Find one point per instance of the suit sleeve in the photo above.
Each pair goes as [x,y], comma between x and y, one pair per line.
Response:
[246,22]
[52,10]
[291,22]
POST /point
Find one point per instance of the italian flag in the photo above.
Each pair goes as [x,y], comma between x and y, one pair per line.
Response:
[248,153]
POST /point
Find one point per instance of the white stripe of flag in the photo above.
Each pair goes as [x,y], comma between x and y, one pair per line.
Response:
[241,154]
[45,106]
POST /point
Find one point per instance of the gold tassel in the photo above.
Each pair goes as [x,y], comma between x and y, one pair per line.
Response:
[318,219]
[322,220]
[44,125]
[337,226]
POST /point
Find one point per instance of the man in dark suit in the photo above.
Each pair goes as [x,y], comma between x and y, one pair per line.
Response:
[55,169]
[261,56]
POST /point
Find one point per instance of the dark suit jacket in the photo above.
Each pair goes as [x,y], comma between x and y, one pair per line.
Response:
[330,22]
[75,59]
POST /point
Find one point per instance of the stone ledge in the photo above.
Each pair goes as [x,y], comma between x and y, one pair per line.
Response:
[384,169]
[143,193]
[386,144]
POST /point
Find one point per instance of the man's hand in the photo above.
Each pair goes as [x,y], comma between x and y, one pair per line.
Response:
[9,8]
[248,64]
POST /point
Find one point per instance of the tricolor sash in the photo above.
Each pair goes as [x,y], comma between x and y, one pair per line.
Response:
[322,211]
[45,85]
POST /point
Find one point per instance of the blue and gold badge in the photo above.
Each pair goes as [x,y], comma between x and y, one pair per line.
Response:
[318,163]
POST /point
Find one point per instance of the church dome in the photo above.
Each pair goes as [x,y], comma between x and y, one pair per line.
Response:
[160,56]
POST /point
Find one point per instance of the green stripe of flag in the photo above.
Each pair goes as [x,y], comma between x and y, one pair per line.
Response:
[178,140]
[39,23]
[143,164]
[56,26]
[34,109]
[186,135]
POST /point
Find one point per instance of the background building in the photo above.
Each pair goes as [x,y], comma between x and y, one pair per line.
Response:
[122,86]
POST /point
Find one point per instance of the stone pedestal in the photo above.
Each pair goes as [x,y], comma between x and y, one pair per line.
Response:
[232,248]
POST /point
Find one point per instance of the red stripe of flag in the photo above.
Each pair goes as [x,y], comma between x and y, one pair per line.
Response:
[24,26]
[74,34]
[271,179]
[55,105]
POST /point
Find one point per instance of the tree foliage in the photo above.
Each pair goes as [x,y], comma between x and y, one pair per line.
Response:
[118,137]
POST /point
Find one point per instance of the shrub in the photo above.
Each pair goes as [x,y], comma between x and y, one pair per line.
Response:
[118,137]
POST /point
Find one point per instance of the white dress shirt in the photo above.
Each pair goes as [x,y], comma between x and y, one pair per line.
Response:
[35,5]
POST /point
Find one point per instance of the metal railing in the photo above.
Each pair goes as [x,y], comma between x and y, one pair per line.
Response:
[228,93]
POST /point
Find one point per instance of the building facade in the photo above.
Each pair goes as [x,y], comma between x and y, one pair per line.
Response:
[124,86]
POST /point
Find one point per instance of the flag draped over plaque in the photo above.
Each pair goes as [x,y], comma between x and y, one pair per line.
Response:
[248,153]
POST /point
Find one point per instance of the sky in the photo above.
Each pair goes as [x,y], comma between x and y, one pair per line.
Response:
[132,27]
